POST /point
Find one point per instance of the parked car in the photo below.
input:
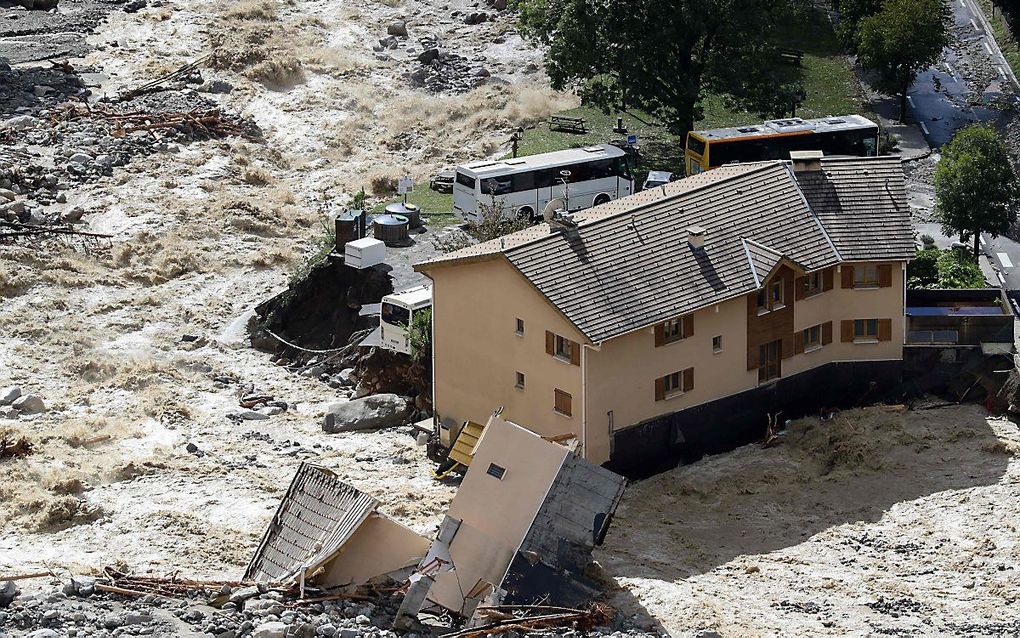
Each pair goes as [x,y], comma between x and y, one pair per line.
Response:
[657,178]
[443,182]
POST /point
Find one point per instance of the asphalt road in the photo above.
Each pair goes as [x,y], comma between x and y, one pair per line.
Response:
[942,100]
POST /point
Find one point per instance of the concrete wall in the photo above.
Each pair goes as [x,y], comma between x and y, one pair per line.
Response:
[379,546]
[477,350]
[496,514]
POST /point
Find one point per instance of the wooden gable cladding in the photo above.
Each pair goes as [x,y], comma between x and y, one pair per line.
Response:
[775,325]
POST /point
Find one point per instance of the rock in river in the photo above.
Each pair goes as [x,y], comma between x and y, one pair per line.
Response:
[369,413]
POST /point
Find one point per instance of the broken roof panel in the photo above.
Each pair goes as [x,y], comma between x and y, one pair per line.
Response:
[315,518]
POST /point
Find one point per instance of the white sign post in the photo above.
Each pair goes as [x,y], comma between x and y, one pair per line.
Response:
[404,186]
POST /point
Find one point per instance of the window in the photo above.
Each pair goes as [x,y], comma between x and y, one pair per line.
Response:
[673,330]
[776,294]
[674,384]
[564,348]
[812,284]
[520,327]
[496,185]
[695,145]
[562,402]
[497,471]
[771,297]
[466,181]
[717,344]
[866,276]
[813,338]
[520,380]
[866,329]
[768,361]
[523,182]
[395,315]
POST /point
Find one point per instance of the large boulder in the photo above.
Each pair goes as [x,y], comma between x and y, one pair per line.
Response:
[369,413]
[9,395]
[29,404]
[270,630]
[8,592]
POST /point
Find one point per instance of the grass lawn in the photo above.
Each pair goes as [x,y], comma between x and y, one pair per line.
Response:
[1004,37]
[829,80]
[437,207]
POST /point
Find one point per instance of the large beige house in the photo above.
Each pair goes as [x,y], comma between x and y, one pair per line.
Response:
[674,322]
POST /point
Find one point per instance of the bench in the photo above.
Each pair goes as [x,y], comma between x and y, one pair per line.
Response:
[791,56]
[567,123]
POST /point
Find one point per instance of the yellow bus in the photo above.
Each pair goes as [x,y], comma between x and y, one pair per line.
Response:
[843,135]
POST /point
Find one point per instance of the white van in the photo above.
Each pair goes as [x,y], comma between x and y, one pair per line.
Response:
[583,177]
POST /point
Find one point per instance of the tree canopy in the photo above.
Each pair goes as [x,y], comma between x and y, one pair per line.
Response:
[976,187]
[903,38]
[662,56]
[934,268]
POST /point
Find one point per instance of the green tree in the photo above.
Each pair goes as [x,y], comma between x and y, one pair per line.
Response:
[419,335]
[976,187]
[934,268]
[851,13]
[905,37]
[663,56]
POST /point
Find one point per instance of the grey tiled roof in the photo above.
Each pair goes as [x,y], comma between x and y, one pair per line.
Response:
[862,202]
[627,271]
[315,518]
[628,264]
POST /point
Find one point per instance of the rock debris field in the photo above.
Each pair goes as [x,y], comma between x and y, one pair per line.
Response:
[163,214]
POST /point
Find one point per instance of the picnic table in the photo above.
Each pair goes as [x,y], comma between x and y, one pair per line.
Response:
[568,123]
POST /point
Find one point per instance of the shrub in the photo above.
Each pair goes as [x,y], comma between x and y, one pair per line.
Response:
[934,268]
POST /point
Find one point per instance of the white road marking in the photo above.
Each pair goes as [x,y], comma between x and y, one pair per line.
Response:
[1001,72]
[950,70]
[987,48]
[924,128]
[911,100]
[974,24]
[963,4]
[982,240]
[1001,279]
[1004,258]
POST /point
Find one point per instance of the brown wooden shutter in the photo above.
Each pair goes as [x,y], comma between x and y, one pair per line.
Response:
[884,275]
[575,353]
[660,389]
[847,276]
[688,379]
[798,342]
[688,325]
[826,333]
[660,335]
[798,288]
[827,277]
[885,329]
[846,329]
[550,343]
[753,357]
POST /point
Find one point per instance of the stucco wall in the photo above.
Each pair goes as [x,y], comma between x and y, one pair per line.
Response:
[477,350]
[378,546]
[855,303]
[621,376]
[496,514]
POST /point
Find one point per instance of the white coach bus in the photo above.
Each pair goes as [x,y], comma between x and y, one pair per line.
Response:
[396,314]
[523,186]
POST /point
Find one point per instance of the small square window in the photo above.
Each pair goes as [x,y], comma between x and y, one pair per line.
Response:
[564,348]
[496,471]
[776,296]
[866,329]
[520,380]
[717,343]
[812,284]
[520,327]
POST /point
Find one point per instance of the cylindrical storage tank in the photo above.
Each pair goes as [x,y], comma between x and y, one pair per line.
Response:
[391,230]
[347,229]
[410,211]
